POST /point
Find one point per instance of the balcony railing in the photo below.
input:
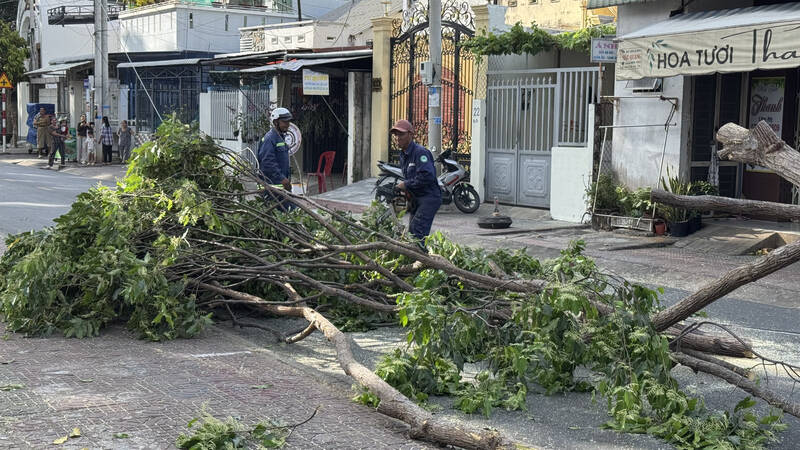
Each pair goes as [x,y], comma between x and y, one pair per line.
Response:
[81,14]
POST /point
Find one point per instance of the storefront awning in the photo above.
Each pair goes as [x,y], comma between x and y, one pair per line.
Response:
[592,4]
[730,40]
[298,64]
[58,69]
[166,62]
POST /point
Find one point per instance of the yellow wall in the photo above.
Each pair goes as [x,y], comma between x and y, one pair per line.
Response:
[558,14]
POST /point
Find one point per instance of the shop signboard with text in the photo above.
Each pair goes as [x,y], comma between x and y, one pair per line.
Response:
[767,99]
[735,49]
[315,83]
[604,50]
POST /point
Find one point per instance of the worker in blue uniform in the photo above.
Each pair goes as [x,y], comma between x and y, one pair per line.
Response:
[273,153]
[420,180]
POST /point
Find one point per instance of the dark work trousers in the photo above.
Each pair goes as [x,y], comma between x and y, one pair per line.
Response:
[106,153]
[283,204]
[57,147]
[422,214]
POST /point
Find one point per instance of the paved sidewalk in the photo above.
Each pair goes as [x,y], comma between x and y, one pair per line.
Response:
[108,174]
[150,391]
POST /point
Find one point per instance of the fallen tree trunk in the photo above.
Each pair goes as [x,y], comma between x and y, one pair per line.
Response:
[747,273]
[737,380]
[760,146]
[718,345]
[708,358]
[777,211]
[424,425]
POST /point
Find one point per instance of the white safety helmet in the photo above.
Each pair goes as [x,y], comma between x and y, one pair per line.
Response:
[280,113]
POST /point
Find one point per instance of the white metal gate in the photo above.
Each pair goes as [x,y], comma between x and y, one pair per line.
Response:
[529,113]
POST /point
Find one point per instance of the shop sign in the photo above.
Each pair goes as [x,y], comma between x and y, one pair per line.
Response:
[767,98]
[604,50]
[315,83]
[736,49]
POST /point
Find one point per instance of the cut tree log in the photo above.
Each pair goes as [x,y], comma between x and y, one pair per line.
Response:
[424,425]
[777,211]
[737,380]
[760,146]
[708,358]
[744,274]
[709,343]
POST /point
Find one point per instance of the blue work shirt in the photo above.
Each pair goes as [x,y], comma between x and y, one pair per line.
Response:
[419,171]
[273,157]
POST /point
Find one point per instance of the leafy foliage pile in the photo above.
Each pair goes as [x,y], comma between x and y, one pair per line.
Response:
[554,342]
[214,434]
[182,219]
[107,258]
[519,41]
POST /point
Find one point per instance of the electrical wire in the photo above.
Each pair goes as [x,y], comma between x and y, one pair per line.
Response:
[136,72]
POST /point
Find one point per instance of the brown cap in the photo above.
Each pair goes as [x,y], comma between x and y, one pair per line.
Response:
[402,126]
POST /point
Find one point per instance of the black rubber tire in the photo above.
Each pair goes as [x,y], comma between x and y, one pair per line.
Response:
[466,198]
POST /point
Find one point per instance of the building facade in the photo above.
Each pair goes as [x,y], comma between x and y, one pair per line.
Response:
[556,14]
[672,72]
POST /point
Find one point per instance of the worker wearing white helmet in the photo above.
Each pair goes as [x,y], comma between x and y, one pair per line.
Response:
[273,154]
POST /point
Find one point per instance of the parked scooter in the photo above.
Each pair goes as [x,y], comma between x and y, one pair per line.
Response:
[454,183]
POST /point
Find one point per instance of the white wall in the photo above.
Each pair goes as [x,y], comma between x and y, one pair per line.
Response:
[172,27]
[570,175]
[59,42]
[23,98]
[288,37]
[636,152]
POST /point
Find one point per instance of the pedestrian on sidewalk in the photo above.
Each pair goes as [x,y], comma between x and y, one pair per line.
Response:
[83,127]
[106,139]
[420,181]
[90,153]
[56,131]
[43,139]
[125,137]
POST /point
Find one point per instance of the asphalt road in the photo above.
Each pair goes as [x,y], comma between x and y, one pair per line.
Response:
[766,312]
[31,197]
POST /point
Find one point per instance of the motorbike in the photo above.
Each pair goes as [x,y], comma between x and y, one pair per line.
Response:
[453,182]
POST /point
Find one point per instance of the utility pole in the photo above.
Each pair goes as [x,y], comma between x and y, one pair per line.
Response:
[299,12]
[32,36]
[100,59]
[435,89]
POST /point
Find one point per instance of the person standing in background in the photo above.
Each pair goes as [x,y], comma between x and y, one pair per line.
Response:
[90,146]
[43,138]
[83,127]
[58,136]
[106,139]
[125,134]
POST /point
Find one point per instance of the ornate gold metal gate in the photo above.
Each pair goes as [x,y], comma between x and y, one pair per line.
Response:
[409,97]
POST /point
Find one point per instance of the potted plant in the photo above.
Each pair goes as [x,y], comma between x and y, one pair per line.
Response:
[677,217]
[702,188]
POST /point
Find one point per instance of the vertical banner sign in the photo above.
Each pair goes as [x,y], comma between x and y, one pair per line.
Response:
[315,83]
[433,97]
[5,83]
[767,103]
